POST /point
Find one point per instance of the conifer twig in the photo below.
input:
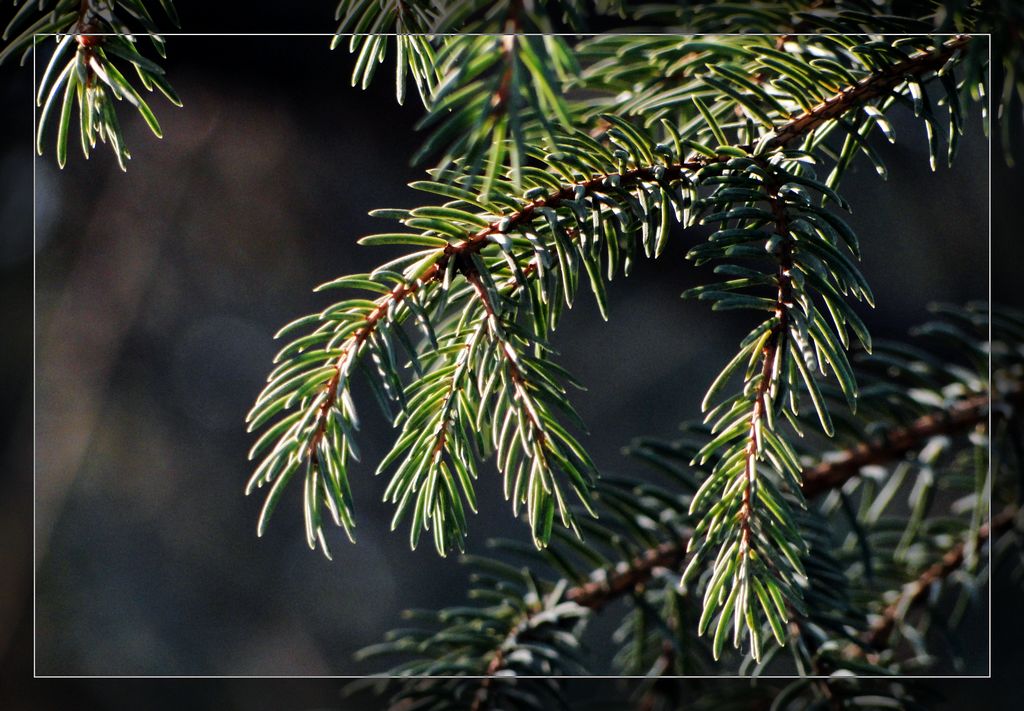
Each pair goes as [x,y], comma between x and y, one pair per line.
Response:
[881,630]
[871,87]
[818,480]
[960,417]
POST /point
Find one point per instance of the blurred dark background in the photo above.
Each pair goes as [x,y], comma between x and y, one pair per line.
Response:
[157,293]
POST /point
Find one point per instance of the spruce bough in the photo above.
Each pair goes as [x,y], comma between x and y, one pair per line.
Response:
[556,162]
[491,269]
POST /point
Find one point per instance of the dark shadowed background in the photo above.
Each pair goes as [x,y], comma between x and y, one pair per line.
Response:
[158,292]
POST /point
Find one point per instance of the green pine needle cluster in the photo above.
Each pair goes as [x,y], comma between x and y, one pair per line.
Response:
[95,51]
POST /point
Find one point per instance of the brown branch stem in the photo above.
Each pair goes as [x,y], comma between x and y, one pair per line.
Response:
[871,87]
[85,29]
[960,417]
[624,579]
[497,661]
[383,305]
[915,592]
[769,355]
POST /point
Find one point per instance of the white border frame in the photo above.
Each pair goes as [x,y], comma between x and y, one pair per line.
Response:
[411,679]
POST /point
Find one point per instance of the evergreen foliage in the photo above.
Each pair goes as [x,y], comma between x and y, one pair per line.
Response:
[895,535]
[835,487]
[96,48]
[490,271]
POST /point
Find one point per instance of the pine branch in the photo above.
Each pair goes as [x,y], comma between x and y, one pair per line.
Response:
[874,86]
[492,89]
[747,524]
[915,592]
[482,698]
[369,25]
[524,627]
[495,665]
[848,99]
[475,242]
[607,586]
[844,101]
[749,84]
[93,47]
[543,495]
[960,417]
[770,357]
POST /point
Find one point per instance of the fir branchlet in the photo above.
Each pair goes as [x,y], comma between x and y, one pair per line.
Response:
[513,274]
[747,525]
[95,51]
